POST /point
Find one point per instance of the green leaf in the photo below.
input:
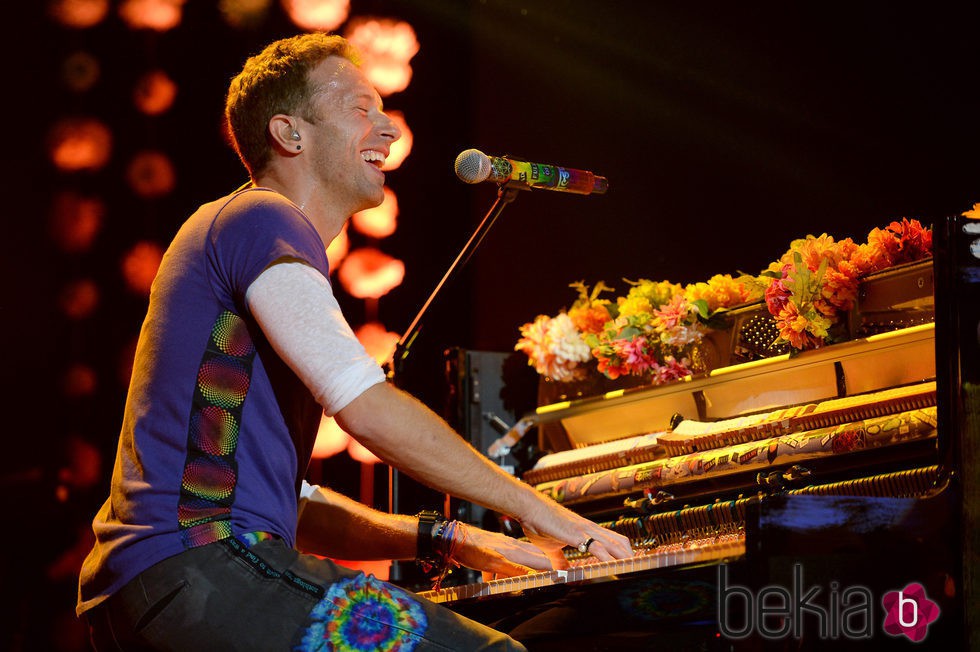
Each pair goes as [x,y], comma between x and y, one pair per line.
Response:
[629,333]
[702,306]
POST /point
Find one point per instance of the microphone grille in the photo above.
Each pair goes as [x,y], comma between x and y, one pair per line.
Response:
[473,166]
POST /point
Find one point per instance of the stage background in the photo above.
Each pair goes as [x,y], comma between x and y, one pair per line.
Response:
[725,129]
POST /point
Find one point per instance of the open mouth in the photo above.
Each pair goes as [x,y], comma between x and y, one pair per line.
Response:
[374,157]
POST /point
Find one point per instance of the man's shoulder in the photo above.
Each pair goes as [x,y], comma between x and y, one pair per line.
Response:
[255,208]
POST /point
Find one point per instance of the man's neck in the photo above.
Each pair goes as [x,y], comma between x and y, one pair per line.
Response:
[327,220]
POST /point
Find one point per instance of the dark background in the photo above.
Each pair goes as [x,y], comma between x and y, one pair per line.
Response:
[725,129]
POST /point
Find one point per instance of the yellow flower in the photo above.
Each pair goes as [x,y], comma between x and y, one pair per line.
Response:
[721,291]
[636,306]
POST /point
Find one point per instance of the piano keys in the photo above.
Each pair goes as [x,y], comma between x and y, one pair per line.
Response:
[672,555]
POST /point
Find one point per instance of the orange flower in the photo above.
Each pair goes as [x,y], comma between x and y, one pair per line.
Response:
[590,318]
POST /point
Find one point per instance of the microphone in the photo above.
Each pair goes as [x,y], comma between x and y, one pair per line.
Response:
[473,166]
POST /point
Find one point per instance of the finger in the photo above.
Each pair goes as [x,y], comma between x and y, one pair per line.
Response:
[509,569]
[529,555]
[558,559]
[607,545]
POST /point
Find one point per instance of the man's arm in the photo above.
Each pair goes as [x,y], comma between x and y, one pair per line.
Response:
[336,526]
[296,309]
[403,432]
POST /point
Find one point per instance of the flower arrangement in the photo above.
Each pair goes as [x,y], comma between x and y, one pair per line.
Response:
[650,331]
[653,330]
[813,285]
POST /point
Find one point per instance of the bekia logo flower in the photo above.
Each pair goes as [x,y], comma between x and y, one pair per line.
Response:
[909,612]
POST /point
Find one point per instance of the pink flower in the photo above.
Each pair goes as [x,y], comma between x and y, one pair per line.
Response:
[670,370]
[777,294]
[635,355]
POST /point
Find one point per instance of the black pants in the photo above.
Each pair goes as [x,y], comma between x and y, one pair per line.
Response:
[226,596]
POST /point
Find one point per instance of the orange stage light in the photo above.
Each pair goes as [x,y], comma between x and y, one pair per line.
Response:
[151,174]
[157,15]
[154,93]
[378,341]
[338,248]
[78,143]
[317,15]
[386,47]
[75,220]
[78,14]
[380,221]
[368,273]
[79,298]
[330,438]
[140,265]
[402,147]
[79,380]
[357,451]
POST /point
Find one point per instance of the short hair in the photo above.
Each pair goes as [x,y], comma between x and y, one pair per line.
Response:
[276,81]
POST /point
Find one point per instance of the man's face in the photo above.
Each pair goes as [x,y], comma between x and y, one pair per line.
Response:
[351,137]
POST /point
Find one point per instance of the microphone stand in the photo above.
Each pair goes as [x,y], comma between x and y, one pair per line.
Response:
[505,195]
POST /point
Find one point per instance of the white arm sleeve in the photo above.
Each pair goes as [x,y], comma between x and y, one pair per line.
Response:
[306,490]
[295,306]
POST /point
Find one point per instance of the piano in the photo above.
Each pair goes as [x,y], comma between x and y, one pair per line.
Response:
[846,472]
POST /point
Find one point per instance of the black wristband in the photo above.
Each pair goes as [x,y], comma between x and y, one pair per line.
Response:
[426,555]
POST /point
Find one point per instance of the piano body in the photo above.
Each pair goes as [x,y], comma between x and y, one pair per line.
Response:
[774,502]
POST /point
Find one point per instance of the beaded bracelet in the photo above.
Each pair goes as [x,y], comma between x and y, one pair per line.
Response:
[447,541]
[437,543]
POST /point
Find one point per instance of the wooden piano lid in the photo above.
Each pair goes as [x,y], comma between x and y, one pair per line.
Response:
[877,362]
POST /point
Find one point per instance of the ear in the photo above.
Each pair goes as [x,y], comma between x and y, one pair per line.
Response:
[285,133]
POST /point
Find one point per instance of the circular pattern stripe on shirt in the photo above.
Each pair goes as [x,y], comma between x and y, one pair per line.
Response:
[231,336]
[223,382]
[207,490]
[193,512]
[214,430]
[210,478]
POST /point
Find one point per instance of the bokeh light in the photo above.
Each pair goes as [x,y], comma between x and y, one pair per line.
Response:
[380,221]
[156,15]
[78,14]
[368,273]
[154,93]
[80,71]
[79,380]
[151,174]
[360,454]
[84,464]
[317,15]
[140,265]
[79,143]
[330,438]
[79,299]
[378,341]
[75,220]
[402,147]
[337,249]
[386,47]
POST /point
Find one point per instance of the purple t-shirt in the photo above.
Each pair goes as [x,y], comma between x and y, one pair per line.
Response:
[217,432]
